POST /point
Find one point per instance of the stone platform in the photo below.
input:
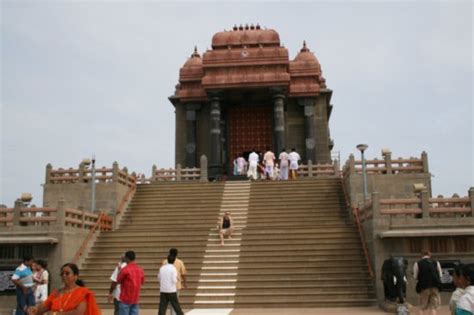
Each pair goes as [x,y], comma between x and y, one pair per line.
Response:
[286,311]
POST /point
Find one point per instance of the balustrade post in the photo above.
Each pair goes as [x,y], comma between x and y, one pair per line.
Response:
[47,178]
[425,203]
[153,173]
[388,162]
[310,168]
[82,169]
[336,167]
[376,214]
[61,214]
[115,172]
[17,212]
[125,170]
[83,215]
[424,160]
[351,164]
[203,166]
[471,196]
[178,172]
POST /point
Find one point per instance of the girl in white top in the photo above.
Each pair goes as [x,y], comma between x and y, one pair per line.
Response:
[41,280]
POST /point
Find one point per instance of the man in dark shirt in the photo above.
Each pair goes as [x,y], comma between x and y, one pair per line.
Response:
[428,274]
[131,279]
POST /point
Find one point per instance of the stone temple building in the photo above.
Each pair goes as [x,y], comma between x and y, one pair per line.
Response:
[247,93]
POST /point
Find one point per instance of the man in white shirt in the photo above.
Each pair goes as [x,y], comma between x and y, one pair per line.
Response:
[269,158]
[284,158]
[168,278]
[253,162]
[114,291]
[294,158]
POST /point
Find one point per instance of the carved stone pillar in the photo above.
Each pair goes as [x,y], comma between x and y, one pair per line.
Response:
[215,161]
[309,128]
[322,141]
[279,122]
[191,109]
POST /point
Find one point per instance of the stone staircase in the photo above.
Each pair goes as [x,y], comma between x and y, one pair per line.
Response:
[293,246]
[218,278]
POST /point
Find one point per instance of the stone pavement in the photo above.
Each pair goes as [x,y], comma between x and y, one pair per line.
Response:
[281,311]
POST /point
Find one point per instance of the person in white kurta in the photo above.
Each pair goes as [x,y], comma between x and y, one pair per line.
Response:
[253,162]
[241,163]
[294,158]
[268,158]
[284,158]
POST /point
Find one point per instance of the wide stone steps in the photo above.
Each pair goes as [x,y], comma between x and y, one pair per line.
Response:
[293,245]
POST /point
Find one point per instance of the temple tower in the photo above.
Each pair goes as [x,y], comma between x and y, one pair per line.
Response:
[246,93]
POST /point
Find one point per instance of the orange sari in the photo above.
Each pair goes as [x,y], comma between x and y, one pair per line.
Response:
[69,301]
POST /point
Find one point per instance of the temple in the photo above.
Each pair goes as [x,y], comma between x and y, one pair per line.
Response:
[325,239]
[245,93]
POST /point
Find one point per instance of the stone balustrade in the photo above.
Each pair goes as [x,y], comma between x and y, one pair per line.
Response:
[83,174]
[51,217]
[420,207]
[310,169]
[179,173]
[387,165]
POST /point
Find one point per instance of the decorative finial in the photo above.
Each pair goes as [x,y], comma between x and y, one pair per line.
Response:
[304,47]
[252,27]
[258,26]
[195,53]
[247,26]
[241,28]
[235,27]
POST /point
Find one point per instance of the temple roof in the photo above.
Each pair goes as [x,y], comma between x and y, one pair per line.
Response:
[249,57]
[245,36]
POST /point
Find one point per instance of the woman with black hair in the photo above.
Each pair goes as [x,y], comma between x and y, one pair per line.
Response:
[460,284]
[73,298]
[465,305]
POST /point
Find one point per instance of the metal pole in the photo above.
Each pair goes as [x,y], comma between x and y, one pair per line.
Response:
[93,185]
[364,175]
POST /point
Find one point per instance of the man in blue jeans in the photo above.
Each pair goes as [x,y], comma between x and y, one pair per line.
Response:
[23,280]
[131,279]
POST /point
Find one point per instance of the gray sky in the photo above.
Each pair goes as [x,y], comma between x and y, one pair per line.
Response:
[82,77]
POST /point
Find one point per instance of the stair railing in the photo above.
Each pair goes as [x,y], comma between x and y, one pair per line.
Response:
[123,204]
[356,217]
[99,224]
[103,222]
[355,212]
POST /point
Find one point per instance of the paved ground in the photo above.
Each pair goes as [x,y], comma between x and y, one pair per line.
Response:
[280,311]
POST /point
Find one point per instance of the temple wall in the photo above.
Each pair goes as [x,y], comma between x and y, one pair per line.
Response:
[294,128]
[78,195]
[387,185]
[321,130]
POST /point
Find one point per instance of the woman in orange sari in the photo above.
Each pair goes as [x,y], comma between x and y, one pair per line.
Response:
[72,299]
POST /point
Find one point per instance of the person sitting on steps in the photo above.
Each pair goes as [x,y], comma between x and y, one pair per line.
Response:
[226,227]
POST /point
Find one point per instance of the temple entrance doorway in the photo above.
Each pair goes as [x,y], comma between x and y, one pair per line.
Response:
[249,127]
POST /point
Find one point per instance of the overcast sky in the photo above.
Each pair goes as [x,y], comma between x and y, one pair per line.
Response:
[82,77]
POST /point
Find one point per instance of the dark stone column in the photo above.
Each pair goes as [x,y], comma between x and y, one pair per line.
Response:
[279,121]
[215,161]
[191,109]
[309,128]
[322,143]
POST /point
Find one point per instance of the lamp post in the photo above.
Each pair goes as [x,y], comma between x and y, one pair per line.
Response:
[93,184]
[362,148]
